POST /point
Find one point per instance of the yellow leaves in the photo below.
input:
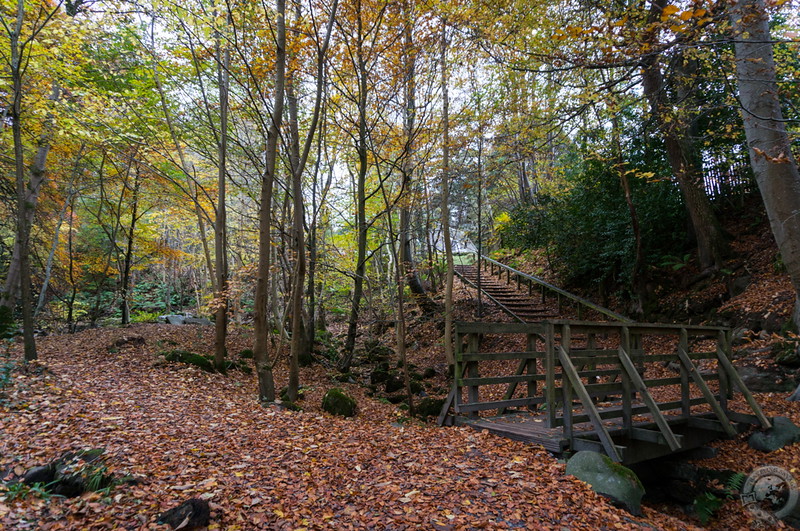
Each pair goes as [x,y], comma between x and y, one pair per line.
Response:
[668,10]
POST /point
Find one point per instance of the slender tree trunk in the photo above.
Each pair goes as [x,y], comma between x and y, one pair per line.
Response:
[48,270]
[360,199]
[637,274]
[127,263]
[73,293]
[418,293]
[221,222]
[774,165]
[19,274]
[448,246]
[266,383]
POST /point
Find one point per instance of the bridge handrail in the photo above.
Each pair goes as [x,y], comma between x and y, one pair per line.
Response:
[547,285]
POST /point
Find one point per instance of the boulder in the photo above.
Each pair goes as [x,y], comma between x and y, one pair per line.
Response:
[786,353]
[191,514]
[620,484]
[765,380]
[783,432]
[173,319]
[72,474]
[197,321]
[337,402]
[429,407]
[190,358]
[394,383]
[794,397]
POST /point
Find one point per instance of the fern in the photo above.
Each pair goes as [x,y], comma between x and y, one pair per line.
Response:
[735,483]
[706,505]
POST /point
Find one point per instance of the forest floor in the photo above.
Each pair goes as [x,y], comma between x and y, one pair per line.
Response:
[181,433]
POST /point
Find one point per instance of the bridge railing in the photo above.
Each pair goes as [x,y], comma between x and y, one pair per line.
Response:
[602,373]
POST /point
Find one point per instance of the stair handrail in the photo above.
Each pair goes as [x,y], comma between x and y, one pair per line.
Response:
[589,304]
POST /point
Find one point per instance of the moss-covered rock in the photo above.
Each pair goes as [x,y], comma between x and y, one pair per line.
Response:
[786,353]
[429,407]
[617,482]
[191,358]
[416,387]
[394,383]
[337,402]
[246,354]
[430,372]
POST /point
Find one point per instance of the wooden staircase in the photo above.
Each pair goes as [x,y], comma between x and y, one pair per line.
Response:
[524,308]
[526,298]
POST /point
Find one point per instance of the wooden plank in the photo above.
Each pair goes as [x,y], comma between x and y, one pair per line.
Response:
[627,391]
[499,328]
[533,387]
[581,443]
[566,385]
[616,412]
[549,370]
[470,407]
[446,407]
[706,424]
[707,394]
[577,358]
[494,380]
[473,392]
[734,377]
[600,429]
[654,436]
[499,356]
[648,400]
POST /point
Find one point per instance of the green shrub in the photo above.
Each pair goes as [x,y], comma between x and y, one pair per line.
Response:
[145,317]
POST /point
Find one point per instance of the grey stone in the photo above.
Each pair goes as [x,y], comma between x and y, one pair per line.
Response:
[794,397]
[174,319]
[760,381]
[197,321]
[608,478]
[783,432]
[739,285]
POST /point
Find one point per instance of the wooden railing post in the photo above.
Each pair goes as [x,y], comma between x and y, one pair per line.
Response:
[473,392]
[627,398]
[566,384]
[550,376]
[686,407]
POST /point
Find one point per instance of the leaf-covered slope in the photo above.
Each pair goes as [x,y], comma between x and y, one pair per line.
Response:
[188,433]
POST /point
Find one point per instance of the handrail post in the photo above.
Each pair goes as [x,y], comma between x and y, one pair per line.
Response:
[627,398]
[550,374]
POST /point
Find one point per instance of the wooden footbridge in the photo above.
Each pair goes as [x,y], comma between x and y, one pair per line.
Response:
[634,391]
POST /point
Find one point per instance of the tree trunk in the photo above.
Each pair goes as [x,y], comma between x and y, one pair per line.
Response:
[774,165]
[711,243]
[127,263]
[418,293]
[360,199]
[221,222]
[266,383]
[448,246]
